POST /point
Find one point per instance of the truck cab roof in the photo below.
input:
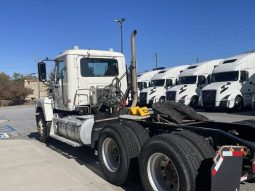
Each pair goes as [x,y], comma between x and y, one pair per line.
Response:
[146,76]
[235,63]
[169,72]
[201,68]
[90,53]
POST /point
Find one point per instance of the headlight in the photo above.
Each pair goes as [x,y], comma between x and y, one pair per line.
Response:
[182,99]
[152,98]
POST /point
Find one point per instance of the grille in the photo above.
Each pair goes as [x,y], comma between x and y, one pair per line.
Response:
[170,96]
[143,97]
[209,98]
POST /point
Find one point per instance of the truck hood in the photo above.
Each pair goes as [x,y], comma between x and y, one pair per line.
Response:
[184,90]
[218,85]
[223,89]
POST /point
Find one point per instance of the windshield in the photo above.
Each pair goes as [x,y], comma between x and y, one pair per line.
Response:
[188,80]
[225,76]
[157,83]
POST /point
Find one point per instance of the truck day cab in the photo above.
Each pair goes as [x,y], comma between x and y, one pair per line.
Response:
[159,84]
[172,148]
[190,83]
[232,84]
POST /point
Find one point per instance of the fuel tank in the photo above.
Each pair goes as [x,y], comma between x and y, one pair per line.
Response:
[75,128]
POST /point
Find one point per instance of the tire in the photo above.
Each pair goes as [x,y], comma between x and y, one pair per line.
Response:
[194,102]
[43,127]
[238,103]
[117,151]
[180,163]
[199,142]
[139,131]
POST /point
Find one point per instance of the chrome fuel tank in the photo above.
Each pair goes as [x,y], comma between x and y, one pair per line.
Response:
[75,128]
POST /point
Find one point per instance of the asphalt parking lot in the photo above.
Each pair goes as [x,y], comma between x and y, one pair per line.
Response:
[27,164]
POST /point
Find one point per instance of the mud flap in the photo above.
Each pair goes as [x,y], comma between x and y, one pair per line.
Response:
[227,169]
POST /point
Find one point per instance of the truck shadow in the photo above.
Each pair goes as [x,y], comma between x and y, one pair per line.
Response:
[85,156]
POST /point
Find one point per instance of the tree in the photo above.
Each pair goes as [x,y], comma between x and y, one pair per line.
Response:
[13,88]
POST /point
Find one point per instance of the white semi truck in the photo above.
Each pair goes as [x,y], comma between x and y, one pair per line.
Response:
[163,80]
[172,148]
[232,85]
[190,83]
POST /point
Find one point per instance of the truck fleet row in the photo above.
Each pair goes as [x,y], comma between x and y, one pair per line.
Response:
[221,83]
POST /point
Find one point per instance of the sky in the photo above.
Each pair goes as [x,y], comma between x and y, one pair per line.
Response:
[179,31]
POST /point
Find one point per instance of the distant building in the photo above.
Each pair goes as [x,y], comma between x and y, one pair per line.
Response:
[39,89]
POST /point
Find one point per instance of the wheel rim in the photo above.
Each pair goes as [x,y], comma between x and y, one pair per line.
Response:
[40,128]
[162,173]
[111,155]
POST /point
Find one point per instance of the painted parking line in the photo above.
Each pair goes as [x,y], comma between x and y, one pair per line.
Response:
[7,132]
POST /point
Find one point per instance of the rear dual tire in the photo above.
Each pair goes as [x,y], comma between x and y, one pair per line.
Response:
[175,163]
[118,150]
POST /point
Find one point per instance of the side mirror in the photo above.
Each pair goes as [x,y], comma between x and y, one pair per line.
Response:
[42,72]
[244,76]
[169,83]
[209,79]
[201,80]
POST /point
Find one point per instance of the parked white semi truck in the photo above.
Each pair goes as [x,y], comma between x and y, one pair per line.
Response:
[172,148]
[190,83]
[232,85]
[163,80]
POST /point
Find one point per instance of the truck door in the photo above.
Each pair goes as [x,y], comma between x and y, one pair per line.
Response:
[246,88]
[60,80]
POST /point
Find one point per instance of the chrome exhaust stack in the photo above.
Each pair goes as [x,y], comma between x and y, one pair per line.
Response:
[133,71]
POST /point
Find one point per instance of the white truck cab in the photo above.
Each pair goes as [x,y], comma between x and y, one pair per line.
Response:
[159,84]
[82,79]
[190,83]
[232,83]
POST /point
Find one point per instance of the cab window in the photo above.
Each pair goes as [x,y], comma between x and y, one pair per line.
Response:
[60,67]
[98,67]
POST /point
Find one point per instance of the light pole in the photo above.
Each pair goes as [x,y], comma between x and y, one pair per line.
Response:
[121,21]
[156,57]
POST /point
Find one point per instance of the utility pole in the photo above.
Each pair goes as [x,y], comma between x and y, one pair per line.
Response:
[121,21]
[156,59]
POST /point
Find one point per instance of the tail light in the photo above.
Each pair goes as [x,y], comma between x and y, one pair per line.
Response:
[253,166]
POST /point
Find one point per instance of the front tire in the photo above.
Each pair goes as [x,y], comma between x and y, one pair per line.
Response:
[43,127]
[194,102]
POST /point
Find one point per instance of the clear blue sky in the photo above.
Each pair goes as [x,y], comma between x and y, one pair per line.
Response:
[180,31]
